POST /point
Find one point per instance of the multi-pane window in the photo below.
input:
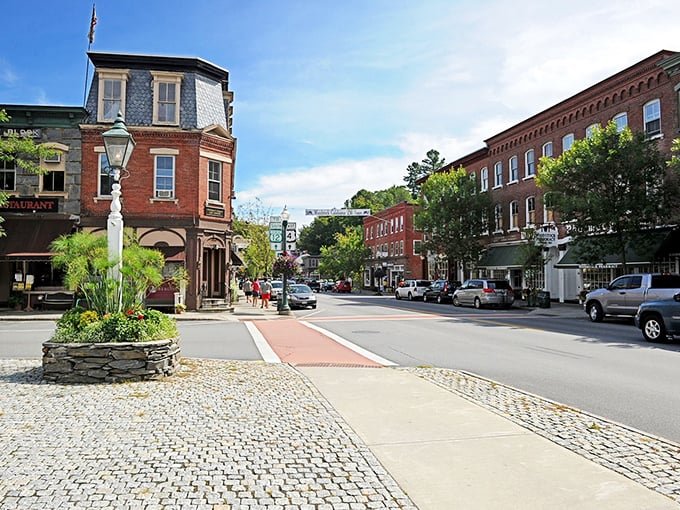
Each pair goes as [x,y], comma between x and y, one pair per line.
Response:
[485,179]
[112,99]
[498,217]
[653,118]
[401,247]
[498,174]
[417,246]
[105,177]
[8,175]
[567,142]
[529,163]
[621,121]
[166,97]
[514,172]
[531,211]
[53,181]
[401,223]
[215,181]
[514,214]
[548,211]
[111,93]
[547,150]
[165,177]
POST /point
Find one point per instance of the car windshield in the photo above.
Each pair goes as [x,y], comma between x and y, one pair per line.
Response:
[277,285]
[300,289]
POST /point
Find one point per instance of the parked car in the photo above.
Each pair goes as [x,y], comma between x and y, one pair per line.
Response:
[659,320]
[315,285]
[440,291]
[277,289]
[327,286]
[625,294]
[411,289]
[479,293]
[342,286]
[301,296]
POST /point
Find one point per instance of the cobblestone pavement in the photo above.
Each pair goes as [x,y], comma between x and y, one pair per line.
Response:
[651,461]
[219,435]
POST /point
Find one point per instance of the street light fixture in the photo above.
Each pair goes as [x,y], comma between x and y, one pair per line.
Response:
[119,144]
[283,308]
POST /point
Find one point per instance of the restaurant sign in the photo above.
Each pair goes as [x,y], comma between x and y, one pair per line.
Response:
[18,204]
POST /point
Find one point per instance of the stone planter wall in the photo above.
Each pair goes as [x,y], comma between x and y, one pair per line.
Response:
[110,362]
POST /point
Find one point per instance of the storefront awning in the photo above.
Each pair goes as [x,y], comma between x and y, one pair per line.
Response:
[657,245]
[30,239]
[235,259]
[502,257]
[171,253]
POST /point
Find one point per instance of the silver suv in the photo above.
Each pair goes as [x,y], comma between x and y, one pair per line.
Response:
[479,293]
[412,289]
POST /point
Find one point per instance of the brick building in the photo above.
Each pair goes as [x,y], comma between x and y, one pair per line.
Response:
[644,97]
[41,207]
[395,247]
[179,184]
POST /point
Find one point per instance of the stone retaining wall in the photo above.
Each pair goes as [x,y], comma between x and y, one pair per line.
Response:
[110,362]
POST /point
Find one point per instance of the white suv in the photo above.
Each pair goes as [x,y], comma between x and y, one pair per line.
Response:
[412,289]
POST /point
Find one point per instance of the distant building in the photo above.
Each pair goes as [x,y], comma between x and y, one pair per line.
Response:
[41,207]
[396,247]
[178,189]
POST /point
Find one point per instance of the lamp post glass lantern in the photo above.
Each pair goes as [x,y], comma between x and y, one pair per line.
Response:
[119,144]
[283,304]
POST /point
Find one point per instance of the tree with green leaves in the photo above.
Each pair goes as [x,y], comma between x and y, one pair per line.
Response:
[345,257]
[416,171]
[22,152]
[454,215]
[612,188]
[258,255]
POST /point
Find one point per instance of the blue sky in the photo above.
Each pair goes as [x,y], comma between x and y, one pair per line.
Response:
[333,97]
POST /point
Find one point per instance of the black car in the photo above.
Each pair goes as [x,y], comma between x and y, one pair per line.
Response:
[440,291]
[315,285]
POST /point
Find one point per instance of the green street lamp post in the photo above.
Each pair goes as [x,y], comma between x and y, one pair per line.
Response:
[119,144]
[282,306]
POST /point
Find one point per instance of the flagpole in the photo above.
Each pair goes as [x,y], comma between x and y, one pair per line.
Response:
[90,40]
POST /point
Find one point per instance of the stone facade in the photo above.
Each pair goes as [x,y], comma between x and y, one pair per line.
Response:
[110,362]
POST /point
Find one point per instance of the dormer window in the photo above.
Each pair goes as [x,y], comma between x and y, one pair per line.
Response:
[112,87]
[166,94]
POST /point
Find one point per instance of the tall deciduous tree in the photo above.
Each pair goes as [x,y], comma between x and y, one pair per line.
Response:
[611,188]
[258,255]
[454,214]
[416,171]
[345,257]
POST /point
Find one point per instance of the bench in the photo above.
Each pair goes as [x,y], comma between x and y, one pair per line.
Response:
[58,300]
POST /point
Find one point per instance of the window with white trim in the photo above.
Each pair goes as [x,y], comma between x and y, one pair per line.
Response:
[621,121]
[401,247]
[111,98]
[401,223]
[547,150]
[548,210]
[567,142]
[417,246]
[514,214]
[498,174]
[531,210]
[590,130]
[485,179]
[215,181]
[498,218]
[529,163]
[53,180]
[513,171]
[164,177]
[8,175]
[652,112]
[166,94]
[105,177]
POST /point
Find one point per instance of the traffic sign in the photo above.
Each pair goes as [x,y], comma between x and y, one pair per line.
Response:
[275,236]
[291,233]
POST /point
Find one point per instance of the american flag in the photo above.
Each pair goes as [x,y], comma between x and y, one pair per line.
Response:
[93,23]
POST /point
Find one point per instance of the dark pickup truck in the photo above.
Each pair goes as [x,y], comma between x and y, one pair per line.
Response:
[659,320]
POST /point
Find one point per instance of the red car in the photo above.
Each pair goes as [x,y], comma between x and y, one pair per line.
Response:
[342,286]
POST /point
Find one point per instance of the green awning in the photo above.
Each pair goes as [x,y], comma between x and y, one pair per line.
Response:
[502,257]
[658,244]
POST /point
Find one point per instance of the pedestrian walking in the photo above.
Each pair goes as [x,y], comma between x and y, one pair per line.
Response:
[248,289]
[256,291]
[266,291]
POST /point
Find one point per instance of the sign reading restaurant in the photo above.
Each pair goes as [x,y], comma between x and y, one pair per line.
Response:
[18,204]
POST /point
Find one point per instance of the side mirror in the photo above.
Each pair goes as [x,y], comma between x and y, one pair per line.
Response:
[676,297]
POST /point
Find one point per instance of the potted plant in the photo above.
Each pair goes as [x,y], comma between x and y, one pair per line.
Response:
[180,308]
[116,338]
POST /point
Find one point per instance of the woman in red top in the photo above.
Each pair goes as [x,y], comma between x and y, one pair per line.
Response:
[256,291]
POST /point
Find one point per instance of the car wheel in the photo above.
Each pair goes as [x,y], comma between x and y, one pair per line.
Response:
[478,303]
[410,296]
[456,302]
[424,298]
[439,299]
[397,296]
[653,329]
[595,312]
[313,306]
